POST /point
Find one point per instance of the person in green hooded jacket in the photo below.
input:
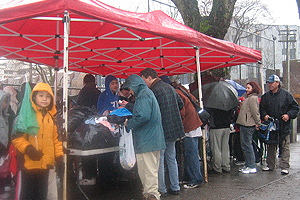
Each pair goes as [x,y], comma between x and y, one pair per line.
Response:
[148,135]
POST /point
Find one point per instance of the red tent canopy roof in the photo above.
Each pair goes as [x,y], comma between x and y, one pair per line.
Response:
[105,40]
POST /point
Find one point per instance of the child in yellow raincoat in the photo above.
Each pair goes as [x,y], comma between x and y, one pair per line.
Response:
[40,151]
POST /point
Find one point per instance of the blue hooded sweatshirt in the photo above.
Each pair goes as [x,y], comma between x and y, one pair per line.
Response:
[107,100]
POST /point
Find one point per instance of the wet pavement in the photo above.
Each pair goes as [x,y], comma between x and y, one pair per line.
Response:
[262,185]
[234,185]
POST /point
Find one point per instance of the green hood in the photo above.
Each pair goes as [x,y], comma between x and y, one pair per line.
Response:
[135,83]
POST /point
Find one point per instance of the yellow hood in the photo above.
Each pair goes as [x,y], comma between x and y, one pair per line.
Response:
[43,87]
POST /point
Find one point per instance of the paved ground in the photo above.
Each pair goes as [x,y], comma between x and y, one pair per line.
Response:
[262,185]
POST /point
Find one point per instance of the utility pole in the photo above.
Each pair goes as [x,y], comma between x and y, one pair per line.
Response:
[287,36]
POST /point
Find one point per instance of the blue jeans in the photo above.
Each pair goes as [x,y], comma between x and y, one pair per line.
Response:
[170,154]
[246,144]
[192,163]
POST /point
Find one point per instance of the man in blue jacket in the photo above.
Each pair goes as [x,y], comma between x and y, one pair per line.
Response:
[170,105]
[148,136]
[280,104]
[108,100]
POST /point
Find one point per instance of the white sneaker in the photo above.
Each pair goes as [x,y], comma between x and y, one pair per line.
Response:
[242,168]
[191,185]
[265,168]
[284,172]
[249,170]
[7,188]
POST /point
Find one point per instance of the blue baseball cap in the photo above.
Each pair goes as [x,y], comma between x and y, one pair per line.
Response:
[273,78]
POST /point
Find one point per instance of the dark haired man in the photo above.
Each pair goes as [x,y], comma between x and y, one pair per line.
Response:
[170,105]
[88,95]
[280,104]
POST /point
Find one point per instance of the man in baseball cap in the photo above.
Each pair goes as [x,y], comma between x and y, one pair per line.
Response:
[279,104]
[273,78]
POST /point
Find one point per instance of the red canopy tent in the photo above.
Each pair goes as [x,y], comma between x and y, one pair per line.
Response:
[105,40]
[92,37]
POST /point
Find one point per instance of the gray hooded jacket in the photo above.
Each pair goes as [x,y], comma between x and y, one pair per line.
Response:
[4,127]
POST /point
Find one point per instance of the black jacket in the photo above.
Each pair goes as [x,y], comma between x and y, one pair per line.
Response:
[88,96]
[220,118]
[277,104]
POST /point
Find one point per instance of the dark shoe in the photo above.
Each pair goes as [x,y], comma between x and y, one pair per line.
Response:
[174,192]
[239,163]
[163,194]
[226,171]
[151,197]
[212,171]
[191,186]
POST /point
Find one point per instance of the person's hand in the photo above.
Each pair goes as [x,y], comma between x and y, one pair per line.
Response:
[125,123]
[106,113]
[266,118]
[257,127]
[33,154]
[285,117]
[123,103]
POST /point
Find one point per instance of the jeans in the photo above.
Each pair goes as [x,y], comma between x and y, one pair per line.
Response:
[247,147]
[192,160]
[170,155]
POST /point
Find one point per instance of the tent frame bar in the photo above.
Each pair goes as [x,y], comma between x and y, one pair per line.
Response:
[65,94]
[201,105]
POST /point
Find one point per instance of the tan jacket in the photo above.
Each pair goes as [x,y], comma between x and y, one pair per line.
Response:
[249,112]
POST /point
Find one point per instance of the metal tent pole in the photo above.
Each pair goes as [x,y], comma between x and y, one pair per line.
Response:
[201,105]
[66,22]
[261,78]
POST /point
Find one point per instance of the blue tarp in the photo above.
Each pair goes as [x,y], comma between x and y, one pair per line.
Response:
[239,88]
[121,112]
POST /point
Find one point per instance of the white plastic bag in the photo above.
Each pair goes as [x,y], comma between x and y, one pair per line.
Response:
[126,152]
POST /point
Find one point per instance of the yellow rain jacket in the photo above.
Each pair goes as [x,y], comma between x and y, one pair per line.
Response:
[47,138]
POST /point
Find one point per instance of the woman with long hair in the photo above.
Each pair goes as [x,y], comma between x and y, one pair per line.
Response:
[249,120]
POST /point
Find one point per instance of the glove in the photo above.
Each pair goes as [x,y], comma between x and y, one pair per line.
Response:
[59,166]
[33,154]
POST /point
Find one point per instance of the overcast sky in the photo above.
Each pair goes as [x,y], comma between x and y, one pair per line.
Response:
[285,12]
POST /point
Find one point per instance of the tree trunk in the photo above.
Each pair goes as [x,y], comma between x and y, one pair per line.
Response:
[215,25]
[190,12]
[220,17]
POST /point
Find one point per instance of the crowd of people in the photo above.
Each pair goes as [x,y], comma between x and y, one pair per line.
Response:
[162,114]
